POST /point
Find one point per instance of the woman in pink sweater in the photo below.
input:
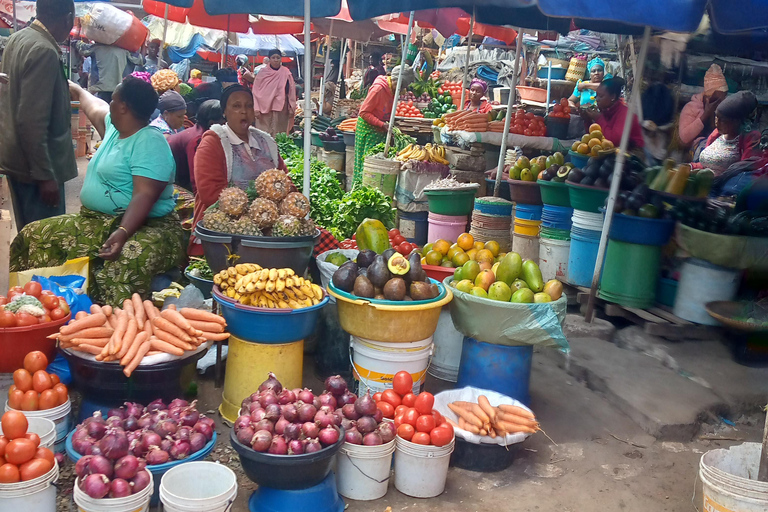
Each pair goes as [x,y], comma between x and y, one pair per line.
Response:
[697,118]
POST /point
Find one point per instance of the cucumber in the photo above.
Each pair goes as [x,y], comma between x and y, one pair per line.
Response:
[704,179]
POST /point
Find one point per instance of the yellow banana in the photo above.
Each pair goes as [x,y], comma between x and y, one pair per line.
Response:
[272,274]
[280,285]
[317,291]
[231,271]
[270,287]
[290,293]
[281,273]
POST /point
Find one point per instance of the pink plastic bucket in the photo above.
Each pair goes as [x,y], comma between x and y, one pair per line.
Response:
[445,227]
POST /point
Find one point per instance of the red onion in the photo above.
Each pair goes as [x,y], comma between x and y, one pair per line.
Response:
[265,424]
[246,403]
[272,412]
[254,396]
[289,412]
[347,398]
[372,439]
[244,435]
[378,416]
[316,403]
[80,433]
[242,422]
[101,464]
[347,424]
[126,467]
[96,417]
[257,413]
[307,413]
[166,427]
[328,436]
[386,431]
[150,439]
[312,446]
[96,486]
[337,417]
[197,442]
[365,406]
[140,481]
[327,399]
[177,403]
[189,416]
[323,419]
[59,458]
[83,446]
[204,428]
[94,450]
[120,412]
[142,464]
[353,436]
[119,488]
[366,424]
[134,409]
[96,429]
[207,421]
[136,448]
[183,433]
[267,397]
[82,467]
[286,396]
[144,421]
[296,391]
[131,424]
[271,383]
[156,405]
[157,456]
[114,444]
[281,424]
[292,431]
[279,446]
[166,444]
[305,396]
[261,441]
[310,429]
[180,449]
[349,412]
[295,447]
[335,385]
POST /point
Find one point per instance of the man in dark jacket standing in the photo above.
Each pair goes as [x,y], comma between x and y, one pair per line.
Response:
[36,152]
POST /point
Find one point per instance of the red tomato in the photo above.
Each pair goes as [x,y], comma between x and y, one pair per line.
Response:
[22,379]
[3,443]
[34,438]
[54,378]
[31,401]
[44,319]
[3,300]
[35,468]
[14,425]
[15,398]
[411,416]
[9,474]
[15,289]
[438,417]
[57,314]
[35,361]
[62,392]
[424,402]
[50,301]
[23,319]
[406,431]
[393,232]
[400,409]
[440,90]
[425,423]
[527,132]
[11,295]
[45,453]
[398,239]
[409,399]
[41,381]
[7,319]
[63,305]
[376,397]
[48,399]
[404,249]
[421,438]
[389,395]
[402,383]
[440,436]
[20,451]
[386,409]
[33,288]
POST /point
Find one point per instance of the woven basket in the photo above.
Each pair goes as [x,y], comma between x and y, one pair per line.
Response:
[576,70]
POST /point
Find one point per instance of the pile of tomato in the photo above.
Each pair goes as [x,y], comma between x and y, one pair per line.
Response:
[21,456]
[396,240]
[561,110]
[526,123]
[406,109]
[415,419]
[33,388]
[453,88]
[54,307]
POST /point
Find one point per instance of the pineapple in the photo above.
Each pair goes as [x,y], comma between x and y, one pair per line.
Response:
[307,227]
[233,201]
[295,204]
[273,184]
[245,226]
[216,220]
[286,226]
[263,212]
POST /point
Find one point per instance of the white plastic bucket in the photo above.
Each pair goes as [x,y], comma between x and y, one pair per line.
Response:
[44,428]
[61,417]
[701,282]
[362,472]
[375,363]
[447,351]
[526,246]
[725,479]
[138,502]
[553,258]
[421,470]
[587,220]
[198,487]
[38,495]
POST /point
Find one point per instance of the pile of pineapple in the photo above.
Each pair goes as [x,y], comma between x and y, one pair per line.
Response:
[252,285]
[276,212]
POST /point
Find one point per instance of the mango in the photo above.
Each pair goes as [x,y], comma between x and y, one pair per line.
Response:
[541,297]
[500,291]
[465,285]
[372,234]
[519,284]
[479,292]
[531,274]
[554,289]
[509,268]
[485,279]
[522,296]
[470,270]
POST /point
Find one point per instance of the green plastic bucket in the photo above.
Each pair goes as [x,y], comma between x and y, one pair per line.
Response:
[586,198]
[451,202]
[555,234]
[554,193]
[630,274]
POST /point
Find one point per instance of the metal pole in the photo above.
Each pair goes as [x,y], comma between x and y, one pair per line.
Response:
[307,101]
[399,85]
[466,64]
[226,45]
[549,86]
[508,117]
[165,31]
[15,23]
[617,171]
[325,66]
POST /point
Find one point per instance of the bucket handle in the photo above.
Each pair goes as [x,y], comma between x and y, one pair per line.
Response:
[693,498]
[363,473]
[364,381]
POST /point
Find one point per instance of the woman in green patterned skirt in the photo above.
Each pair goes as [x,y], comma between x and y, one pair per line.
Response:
[373,119]
[127,224]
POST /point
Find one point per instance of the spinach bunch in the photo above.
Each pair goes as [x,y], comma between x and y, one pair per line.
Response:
[357,205]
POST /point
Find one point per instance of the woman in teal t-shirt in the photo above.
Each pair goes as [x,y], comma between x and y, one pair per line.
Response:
[127,224]
[584,94]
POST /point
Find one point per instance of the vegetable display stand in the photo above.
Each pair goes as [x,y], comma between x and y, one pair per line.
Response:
[421,470]
[501,368]
[17,342]
[381,173]
[198,486]
[248,363]
[587,198]
[362,472]
[554,193]
[137,502]
[702,282]
[36,495]
[525,192]
[630,274]
[375,363]
[323,497]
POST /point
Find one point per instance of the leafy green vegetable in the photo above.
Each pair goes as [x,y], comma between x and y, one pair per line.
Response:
[286,146]
[198,267]
[361,203]
[324,188]
[399,141]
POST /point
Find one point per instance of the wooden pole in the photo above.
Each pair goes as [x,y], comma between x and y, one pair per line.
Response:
[307,94]
[464,85]
[399,85]
[328,39]
[762,473]
[6,228]
[508,118]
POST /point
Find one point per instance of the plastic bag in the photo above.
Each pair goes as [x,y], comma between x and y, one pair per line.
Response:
[75,267]
[470,394]
[69,287]
[105,23]
[327,269]
[409,191]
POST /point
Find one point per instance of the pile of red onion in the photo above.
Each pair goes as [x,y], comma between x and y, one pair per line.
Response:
[100,477]
[155,434]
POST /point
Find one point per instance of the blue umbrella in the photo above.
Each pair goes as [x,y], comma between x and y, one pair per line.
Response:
[318,8]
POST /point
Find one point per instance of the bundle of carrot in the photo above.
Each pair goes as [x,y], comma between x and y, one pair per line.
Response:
[483,419]
[139,329]
[348,125]
[467,121]
[496,126]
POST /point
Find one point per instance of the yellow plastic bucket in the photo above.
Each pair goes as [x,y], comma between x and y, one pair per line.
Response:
[248,365]
[527,227]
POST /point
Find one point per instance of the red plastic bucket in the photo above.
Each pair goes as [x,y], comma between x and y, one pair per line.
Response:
[17,342]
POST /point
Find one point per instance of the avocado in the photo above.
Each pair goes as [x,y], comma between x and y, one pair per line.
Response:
[601,183]
[365,258]
[592,171]
[416,273]
[378,272]
[532,275]
[420,291]
[575,176]
[395,289]
[388,254]
[363,287]
[344,277]
[562,173]
[398,265]
[587,181]
[635,201]
[648,211]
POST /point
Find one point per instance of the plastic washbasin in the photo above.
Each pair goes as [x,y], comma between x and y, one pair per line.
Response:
[554,193]
[17,342]
[390,321]
[587,198]
[437,272]
[204,285]
[525,192]
[577,159]
[640,230]
[451,202]
[268,325]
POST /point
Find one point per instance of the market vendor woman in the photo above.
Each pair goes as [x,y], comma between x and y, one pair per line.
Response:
[585,93]
[476,103]
[613,113]
[373,120]
[127,224]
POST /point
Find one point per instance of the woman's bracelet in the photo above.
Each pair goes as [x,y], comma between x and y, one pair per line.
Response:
[126,231]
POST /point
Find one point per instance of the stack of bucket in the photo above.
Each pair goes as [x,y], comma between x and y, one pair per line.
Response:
[376,362]
[527,226]
[586,230]
[491,220]
[555,241]
[445,227]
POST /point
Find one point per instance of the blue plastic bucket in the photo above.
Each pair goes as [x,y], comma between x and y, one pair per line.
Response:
[528,211]
[494,206]
[413,226]
[500,368]
[323,497]
[556,217]
[583,256]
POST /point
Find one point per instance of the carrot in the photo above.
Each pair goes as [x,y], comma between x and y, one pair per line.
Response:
[143,349]
[492,433]
[178,319]
[130,336]
[96,320]
[90,349]
[519,411]
[166,347]
[148,327]
[161,323]
[138,309]
[469,417]
[112,320]
[90,332]
[517,420]
[453,423]
[206,326]
[477,411]
[173,340]
[485,405]
[107,310]
[117,337]
[172,307]
[212,336]
[128,307]
[131,353]
[96,342]
[203,316]
[150,309]
[154,352]
[94,309]
[512,428]
[80,314]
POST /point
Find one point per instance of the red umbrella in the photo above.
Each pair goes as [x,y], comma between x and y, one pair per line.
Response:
[277,25]
[505,34]
[197,16]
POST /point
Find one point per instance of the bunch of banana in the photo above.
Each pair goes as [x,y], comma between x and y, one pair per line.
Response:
[252,285]
[436,154]
[428,153]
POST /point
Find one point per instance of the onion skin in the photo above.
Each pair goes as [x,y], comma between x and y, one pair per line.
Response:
[347,398]
[101,464]
[134,409]
[305,396]
[292,431]
[378,416]
[365,406]
[261,441]
[96,485]
[286,396]
[157,456]
[264,424]
[119,488]
[204,428]
[267,397]
[272,412]
[295,447]
[126,467]
[280,425]
[310,429]
[329,436]
[312,446]
[307,412]
[289,412]
[82,467]
[323,419]
[372,439]
[244,435]
[257,412]
[327,399]
[336,385]
[140,481]
[349,412]
[180,449]
[279,446]
[242,422]
[156,405]
[271,383]
[386,431]
[353,436]
[197,442]
[366,424]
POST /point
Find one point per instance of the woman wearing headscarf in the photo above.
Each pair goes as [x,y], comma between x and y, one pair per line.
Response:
[274,96]
[585,93]
[173,109]
[732,140]
[244,75]
[184,144]
[697,119]
[234,153]
[165,80]
[195,77]
[477,90]
[613,113]
[373,119]
[375,69]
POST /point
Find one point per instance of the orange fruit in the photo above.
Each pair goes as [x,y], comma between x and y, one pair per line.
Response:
[472,253]
[607,144]
[575,146]
[493,246]
[594,127]
[484,256]
[593,142]
[434,258]
[460,258]
[466,241]
[585,138]
[595,151]
[441,246]
[583,149]
[479,246]
[596,134]
[453,251]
